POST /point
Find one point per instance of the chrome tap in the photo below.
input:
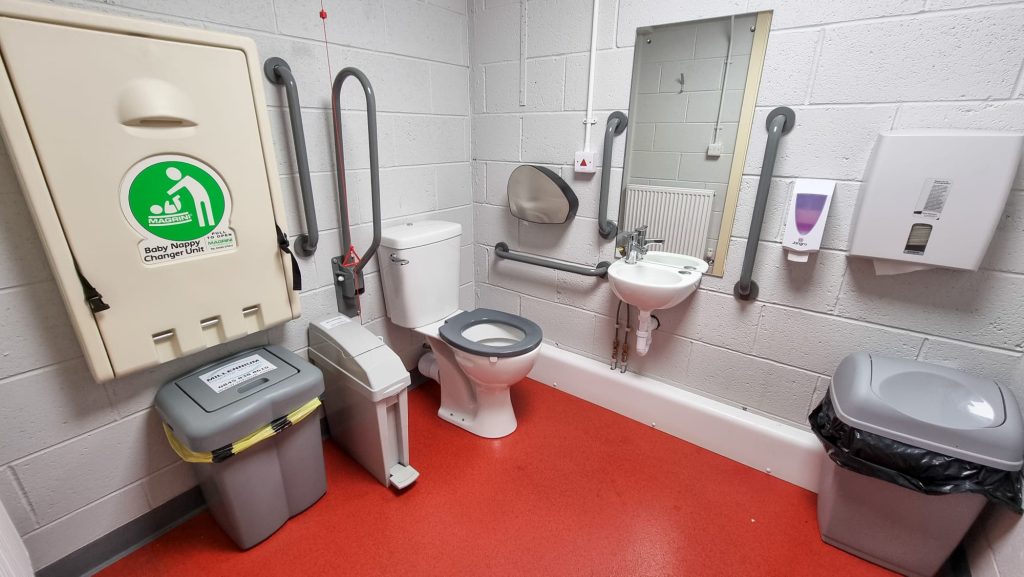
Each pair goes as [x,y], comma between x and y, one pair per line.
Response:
[637,243]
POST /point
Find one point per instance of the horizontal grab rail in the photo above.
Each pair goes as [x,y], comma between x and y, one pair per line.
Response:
[780,121]
[502,251]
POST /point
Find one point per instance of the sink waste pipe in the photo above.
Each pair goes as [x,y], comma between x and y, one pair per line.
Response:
[645,325]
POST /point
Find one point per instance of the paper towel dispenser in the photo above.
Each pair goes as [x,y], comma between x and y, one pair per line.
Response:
[145,155]
[933,198]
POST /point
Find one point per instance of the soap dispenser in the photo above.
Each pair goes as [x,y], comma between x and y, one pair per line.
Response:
[805,217]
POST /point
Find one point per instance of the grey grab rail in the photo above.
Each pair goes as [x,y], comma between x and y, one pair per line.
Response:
[780,121]
[501,250]
[616,123]
[278,72]
[348,278]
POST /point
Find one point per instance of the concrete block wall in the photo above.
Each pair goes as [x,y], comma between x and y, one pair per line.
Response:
[78,459]
[849,69]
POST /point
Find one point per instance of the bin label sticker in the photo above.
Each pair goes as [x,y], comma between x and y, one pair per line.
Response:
[236,372]
[333,322]
[180,206]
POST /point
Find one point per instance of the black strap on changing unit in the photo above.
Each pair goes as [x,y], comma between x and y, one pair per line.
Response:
[92,296]
[282,243]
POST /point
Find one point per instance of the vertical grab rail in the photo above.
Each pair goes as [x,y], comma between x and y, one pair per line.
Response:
[615,125]
[348,275]
[780,121]
[278,72]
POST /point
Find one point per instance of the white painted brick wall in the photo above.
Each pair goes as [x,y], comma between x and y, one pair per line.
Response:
[68,476]
[46,406]
[51,542]
[850,70]
[423,30]
[80,459]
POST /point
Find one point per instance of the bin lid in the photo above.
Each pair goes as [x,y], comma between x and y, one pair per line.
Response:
[222,402]
[932,407]
[357,357]
[423,232]
[232,379]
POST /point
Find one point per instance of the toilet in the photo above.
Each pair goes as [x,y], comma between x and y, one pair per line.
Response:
[476,356]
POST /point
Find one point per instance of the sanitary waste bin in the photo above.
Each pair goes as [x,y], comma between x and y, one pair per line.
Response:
[366,399]
[250,424]
[915,450]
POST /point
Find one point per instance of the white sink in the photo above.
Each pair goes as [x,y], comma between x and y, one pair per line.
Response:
[660,281]
[649,286]
[676,260]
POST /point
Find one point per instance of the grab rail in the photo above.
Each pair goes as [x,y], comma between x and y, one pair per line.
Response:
[278,72]
[501,250]
[616,123]
[780,121]
[348,276]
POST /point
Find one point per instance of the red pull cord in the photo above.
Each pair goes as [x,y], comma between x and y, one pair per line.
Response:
[351,257]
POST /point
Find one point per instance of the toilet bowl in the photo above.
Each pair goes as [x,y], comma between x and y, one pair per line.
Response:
[477,355]
[494,350]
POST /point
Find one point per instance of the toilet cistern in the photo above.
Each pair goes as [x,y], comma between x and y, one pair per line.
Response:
[652,280]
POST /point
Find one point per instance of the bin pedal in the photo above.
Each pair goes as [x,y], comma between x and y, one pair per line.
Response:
[401,476]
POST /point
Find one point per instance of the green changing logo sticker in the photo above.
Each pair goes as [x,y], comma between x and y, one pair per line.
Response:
[179,205]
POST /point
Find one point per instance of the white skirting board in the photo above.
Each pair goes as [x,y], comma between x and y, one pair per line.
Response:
[791,454]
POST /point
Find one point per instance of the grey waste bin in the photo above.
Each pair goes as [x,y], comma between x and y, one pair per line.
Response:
[212,414]
[365,398]
[932,421]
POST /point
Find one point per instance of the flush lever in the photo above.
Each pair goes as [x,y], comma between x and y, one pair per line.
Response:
[399,261]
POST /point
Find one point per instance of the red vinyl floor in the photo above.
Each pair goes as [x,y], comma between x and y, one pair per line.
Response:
[576,490]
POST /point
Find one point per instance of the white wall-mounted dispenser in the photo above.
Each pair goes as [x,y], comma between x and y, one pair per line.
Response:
[933,198]
[805,218]
[145,155]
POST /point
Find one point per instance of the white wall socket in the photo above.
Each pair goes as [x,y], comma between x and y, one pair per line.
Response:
[585,161]
[715,149]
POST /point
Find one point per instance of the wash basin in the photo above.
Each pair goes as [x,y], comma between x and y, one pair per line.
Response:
[676,260]
[650,285]
[660,281]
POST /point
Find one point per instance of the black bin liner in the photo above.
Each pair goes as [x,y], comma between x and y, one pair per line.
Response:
[908,466]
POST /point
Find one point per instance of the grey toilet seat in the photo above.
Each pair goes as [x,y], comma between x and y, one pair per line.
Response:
[451,332]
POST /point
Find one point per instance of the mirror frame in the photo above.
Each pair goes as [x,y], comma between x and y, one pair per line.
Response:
[745,126]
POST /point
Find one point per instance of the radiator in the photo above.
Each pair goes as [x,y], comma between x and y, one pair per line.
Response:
[678,215]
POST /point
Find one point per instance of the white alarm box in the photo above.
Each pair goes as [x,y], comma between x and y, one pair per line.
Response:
[145,155]
[933,198]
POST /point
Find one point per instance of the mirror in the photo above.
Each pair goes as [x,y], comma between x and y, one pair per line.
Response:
[690,114]
[537,194]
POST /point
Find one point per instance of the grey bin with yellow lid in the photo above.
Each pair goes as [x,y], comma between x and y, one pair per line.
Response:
[915,450]
[250,424]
